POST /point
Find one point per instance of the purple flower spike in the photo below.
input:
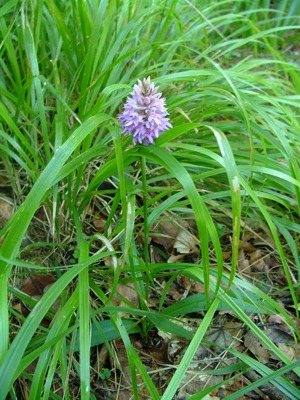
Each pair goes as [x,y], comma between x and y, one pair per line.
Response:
[144,113]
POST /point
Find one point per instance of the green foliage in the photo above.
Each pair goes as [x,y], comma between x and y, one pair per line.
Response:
[230,73]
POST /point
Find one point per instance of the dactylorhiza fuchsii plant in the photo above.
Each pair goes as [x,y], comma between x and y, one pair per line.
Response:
[145,117]
[145,113]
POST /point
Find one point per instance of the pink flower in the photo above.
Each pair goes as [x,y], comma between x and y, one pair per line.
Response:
[144,114]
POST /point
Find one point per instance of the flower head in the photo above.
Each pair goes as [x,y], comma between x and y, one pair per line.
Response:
[144,113]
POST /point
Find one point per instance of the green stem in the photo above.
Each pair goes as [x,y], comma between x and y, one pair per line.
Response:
[120,167]
[4,319]
[145,207]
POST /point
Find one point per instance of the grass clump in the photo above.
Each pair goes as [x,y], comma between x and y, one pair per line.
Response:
[203,225]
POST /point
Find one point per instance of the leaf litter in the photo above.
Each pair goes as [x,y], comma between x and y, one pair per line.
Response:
[161,352]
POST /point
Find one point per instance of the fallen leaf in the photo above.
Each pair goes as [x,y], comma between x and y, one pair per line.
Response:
[197,287]
[289,351]
[175,258]
[102,356]
[185,242]
[175,293]
[246,246]
[257,348]
[226,255]
[125,296]
[164,233]
[99,222]
[125,383]
[6,211]
[257,261]
[243,262]
[35,286]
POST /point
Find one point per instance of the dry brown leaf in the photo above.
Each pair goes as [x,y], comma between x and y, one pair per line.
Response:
[43,213]
[266,390]
[191,285]
[243,262]
[160,354]
[174,293]
[257,348]
[284,340]
[289,351]
[185,282]
[233,386]
[227,255]
[6,211]
[18,308]
[271,262]
[185,242]
[164,233]
[35,286]
[197,287]
[246,245]
[102,356]
[125,390]
[205,357]
[234,328]
[275,319]
[257,261]
[255,255]
[99,222]
[279,335]
[175,258]
[193,383]
[223,338]
[125,296]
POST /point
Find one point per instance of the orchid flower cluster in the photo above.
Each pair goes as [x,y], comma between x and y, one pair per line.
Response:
[145,114]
